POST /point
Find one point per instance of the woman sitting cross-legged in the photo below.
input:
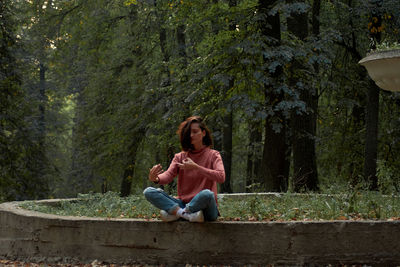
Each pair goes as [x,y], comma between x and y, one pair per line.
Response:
[199,169]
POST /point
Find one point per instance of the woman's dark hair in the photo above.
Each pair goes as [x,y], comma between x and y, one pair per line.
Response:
[184,133]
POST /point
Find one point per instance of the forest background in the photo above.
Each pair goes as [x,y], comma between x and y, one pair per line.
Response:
[92,93]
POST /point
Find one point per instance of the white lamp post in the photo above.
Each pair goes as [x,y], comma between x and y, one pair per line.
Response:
[384,68]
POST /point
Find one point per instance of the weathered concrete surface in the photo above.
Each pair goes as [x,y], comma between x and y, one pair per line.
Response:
[32,235]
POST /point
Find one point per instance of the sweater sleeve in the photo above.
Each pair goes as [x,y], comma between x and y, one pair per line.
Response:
[167,176]
[217,172]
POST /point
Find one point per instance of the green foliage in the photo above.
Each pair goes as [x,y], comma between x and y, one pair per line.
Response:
[21,155]
[342,101]
[387,46]
[388,180]
[116,90]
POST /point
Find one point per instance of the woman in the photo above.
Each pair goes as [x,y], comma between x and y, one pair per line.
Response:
[200,168]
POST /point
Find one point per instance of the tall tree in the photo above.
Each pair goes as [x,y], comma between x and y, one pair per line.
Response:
[372,109]
[22,158]
[130,82]
[253,154]
[41,35]
[11,95]
[227,129]
[274,164]
[303,122]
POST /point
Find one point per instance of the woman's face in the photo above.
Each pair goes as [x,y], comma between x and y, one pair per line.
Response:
[196,135]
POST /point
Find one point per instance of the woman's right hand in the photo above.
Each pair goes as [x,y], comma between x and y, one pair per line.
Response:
[154,172]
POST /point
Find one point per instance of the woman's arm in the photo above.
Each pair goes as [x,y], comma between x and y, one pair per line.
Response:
[216,173]
[167,176]
[154,172]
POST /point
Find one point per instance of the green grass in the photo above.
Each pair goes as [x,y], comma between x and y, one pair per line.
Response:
[286,207]
[387,46]
[313,207]
[108,205]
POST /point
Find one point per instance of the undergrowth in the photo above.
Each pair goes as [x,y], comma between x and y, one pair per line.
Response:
[281,207]
[313,207]
[108,205]
[387,46]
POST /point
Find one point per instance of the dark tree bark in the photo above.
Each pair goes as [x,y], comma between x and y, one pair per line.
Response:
[371,136]
[80,178]
[305,176]
[216,120]
[253,154]
[274,167]
[227,131]
[218,134]
[315,31]
[163,46]
[274,163]
[358,112]
[170,156]
[227,151]
[372,113]
[180,37]
[128,175]
[167,81]
[42,103]
[315,17]
[183,62]
[44,187]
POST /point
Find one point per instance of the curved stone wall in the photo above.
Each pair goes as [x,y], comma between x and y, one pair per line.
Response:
[29,235]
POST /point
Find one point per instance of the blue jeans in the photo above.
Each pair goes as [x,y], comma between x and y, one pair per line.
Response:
[204,200]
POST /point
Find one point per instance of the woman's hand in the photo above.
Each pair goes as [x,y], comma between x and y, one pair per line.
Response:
[154,172]
[188,164]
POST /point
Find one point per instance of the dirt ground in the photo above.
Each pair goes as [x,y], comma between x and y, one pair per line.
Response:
[10,263]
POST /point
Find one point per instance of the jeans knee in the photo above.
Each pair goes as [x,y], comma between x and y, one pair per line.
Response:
[150,190]
[207,193]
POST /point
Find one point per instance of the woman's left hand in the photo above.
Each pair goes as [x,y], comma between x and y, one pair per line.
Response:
[188,164]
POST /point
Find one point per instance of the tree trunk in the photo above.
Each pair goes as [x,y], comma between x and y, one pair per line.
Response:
[372,112]
[180,37]
[273,168]
[315,18]
[42,104]
[216,120]
[305,174]
[274,161]
[170,156]
[163,46]
[43,188]
[304,160]
[128,175]
[79,178]
[371,136]
[227,152]
[253,154]
[227,130]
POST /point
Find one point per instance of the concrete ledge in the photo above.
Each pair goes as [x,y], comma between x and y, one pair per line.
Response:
[32,235]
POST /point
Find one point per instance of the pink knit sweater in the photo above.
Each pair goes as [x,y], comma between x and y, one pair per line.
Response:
[191,182]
